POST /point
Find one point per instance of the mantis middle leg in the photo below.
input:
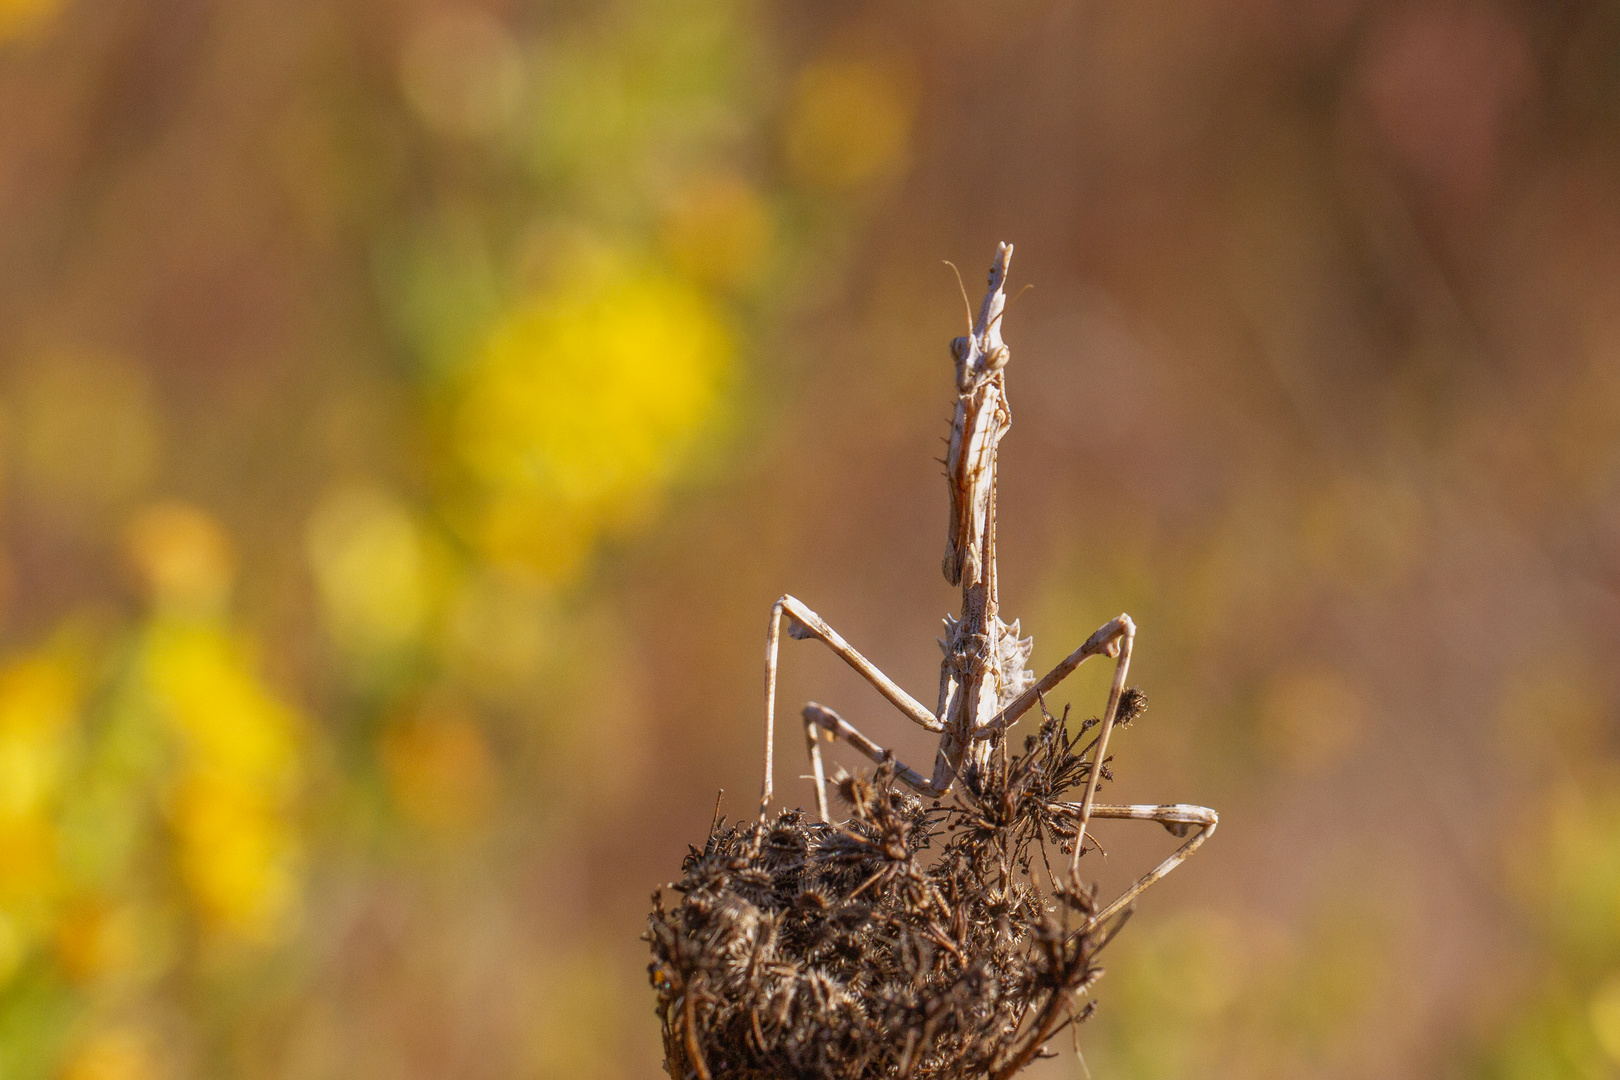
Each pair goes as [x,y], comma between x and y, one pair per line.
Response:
[818,718]
[802,624]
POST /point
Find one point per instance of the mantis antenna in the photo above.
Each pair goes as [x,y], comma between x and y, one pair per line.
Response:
[967,305]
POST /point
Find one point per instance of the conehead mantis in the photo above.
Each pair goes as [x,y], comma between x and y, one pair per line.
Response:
[985,684]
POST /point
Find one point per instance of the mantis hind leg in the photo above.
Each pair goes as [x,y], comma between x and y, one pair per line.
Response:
[1179,818]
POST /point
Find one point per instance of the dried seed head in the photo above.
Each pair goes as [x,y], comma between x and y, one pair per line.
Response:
[801,949]
[1132,704]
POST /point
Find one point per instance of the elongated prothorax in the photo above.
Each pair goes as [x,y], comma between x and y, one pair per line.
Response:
[981,419]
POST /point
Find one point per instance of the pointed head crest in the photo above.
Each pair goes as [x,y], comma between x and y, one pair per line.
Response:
[982,353]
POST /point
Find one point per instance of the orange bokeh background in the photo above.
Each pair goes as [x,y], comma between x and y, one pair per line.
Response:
[409,410]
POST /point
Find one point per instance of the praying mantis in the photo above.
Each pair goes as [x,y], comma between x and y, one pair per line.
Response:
[985,684]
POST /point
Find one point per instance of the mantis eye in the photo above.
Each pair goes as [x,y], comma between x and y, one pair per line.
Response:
[959,349]
[997,359]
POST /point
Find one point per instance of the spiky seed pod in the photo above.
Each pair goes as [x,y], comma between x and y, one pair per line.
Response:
[1132,704]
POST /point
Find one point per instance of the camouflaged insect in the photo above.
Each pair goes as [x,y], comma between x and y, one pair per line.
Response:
[904,941]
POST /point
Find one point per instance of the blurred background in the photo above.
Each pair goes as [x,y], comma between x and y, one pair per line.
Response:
[409,410]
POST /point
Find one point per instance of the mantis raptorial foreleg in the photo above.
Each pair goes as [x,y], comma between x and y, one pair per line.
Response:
[1177,817]
[804,623]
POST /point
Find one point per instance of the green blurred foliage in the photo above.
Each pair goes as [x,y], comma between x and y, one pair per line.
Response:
[574,225]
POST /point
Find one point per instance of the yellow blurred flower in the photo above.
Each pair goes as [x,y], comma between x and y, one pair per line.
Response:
[718,230]
[1605,1016]
[122,1053]
[584,405]
[13,946]
[39,713]
[439,768]
[94,938]
[372,569]
[233,805]
[238,856]
[27,859]
[39,701]
[849,124]
[19,18]
[184,557]
[229,723]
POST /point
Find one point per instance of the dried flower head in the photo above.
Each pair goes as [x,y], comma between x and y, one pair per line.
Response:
[907,941]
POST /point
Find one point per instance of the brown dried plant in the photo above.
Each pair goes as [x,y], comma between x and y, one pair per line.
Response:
[908,940]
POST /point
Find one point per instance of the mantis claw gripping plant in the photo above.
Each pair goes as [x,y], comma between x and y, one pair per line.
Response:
[914,940]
